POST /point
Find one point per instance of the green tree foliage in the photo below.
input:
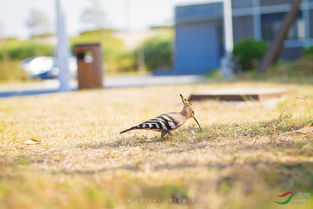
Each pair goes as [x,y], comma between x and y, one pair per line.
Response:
[158,52]
[249,52]
[28,49]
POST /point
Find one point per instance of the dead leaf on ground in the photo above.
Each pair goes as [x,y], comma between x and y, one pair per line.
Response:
[32,141]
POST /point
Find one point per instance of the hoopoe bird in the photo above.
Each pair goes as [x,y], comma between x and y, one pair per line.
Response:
[168,122]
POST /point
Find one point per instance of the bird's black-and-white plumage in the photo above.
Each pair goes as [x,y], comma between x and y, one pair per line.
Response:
[167,122]
[164,122]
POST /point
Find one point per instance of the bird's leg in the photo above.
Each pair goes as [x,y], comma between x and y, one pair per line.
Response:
[163,133]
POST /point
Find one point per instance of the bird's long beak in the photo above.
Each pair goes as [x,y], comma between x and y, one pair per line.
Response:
[197,122]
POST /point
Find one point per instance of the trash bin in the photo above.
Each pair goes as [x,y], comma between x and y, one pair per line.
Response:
[89,65]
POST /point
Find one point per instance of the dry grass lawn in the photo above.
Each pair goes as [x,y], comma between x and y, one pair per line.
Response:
[241,159]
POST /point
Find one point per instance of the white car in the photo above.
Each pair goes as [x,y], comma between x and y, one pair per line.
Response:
[45,67]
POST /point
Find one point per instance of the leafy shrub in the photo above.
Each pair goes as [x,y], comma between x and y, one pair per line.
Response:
[158,52]
[23,50]
[308,51]
[127,61]
[105,37]
[124,61]
[114,55]
[11,70]
[249,52]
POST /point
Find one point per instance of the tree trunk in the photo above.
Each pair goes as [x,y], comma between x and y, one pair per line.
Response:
[277,45]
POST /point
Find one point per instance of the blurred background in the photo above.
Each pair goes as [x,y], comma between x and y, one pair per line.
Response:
[151,38]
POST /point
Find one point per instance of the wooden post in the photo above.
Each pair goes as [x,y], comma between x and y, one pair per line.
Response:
[89,74]
[277,45]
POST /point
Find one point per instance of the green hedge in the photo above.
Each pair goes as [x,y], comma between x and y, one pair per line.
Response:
[249,52]
[25,50]
[158,52]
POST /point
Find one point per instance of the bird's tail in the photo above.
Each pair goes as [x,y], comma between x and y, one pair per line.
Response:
[132,128]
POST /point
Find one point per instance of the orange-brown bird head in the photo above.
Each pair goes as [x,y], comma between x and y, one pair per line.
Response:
[188,109]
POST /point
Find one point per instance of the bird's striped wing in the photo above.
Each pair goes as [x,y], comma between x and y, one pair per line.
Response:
[163,122]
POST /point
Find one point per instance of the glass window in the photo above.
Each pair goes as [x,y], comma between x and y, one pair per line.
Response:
[293,53]
[275,2]
[242,27]
[271,24]
[236,4]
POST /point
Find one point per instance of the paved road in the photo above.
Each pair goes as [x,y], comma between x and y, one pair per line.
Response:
[51,86]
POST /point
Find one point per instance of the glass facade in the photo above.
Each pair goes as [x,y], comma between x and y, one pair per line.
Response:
[271,23]
[238,4]
[293,53]
[242,27]
[275,2]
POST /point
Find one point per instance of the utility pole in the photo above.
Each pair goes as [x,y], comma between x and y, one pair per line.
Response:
[62,50]
[228,26]
[227,63]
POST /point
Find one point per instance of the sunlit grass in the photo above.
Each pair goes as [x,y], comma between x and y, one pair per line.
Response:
[241,159]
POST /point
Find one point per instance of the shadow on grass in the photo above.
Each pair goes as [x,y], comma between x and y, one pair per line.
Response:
[124,142]
[287,175]
[308,165]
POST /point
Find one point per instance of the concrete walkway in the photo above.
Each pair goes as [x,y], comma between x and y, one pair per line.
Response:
[51,86]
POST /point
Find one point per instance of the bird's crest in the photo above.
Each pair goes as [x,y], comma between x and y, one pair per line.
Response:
[185,101]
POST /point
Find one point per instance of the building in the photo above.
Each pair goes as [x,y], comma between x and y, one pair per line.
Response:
[199,41]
